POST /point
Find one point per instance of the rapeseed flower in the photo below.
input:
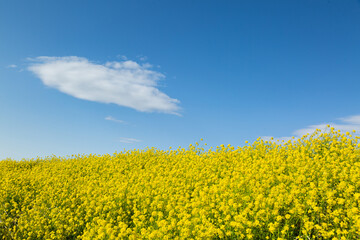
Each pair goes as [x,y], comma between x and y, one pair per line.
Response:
[307,188]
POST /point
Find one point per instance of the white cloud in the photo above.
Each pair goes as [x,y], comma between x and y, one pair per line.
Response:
[11,66]
[347,124]
[129,140]
[110,118]
[124,83]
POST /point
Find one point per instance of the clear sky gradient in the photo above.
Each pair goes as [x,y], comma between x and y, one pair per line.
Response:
[80,77]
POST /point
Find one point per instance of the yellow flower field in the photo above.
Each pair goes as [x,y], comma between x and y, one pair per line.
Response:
[302,189]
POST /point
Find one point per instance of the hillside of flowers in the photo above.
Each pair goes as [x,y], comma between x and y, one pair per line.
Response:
[306,188]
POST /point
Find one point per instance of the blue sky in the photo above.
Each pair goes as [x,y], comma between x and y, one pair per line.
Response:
[79,77]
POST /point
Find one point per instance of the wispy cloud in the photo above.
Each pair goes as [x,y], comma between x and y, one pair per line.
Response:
[110,118]
[125,83]
[11,66]
[346,124]
[129,140]
[122,57]
[352,120]
[142,57]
